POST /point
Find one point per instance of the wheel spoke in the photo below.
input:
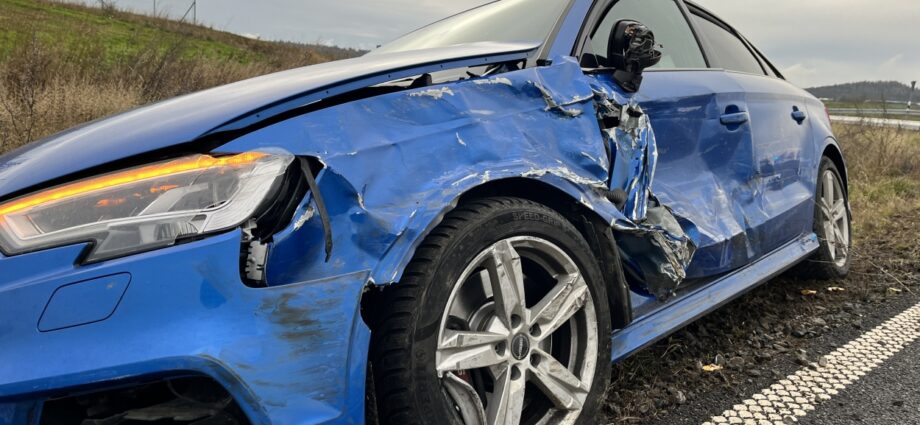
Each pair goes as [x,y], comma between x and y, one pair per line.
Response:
[842,241]
[844,250]
[485,281]
[564,389]
[825,210]
[563,301]
[828,188]
[507,280]
[507,402]
[491,327]
[830,236]
[460,350]
[839,210]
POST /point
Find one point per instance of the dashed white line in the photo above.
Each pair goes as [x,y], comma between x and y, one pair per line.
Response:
[790,399]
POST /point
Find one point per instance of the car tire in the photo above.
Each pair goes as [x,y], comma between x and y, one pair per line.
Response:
[430,368]
[832,225]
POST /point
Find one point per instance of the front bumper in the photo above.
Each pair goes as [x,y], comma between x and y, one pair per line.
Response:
[293,354]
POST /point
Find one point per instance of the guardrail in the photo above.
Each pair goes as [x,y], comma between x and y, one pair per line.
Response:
[878,122]
[875,112]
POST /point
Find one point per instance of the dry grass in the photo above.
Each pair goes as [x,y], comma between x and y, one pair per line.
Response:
[884,173]
[42,92]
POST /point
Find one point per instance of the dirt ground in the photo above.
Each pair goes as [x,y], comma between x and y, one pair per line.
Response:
[765,334]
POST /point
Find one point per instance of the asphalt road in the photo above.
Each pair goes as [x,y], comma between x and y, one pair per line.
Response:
[884,349]
[890,395]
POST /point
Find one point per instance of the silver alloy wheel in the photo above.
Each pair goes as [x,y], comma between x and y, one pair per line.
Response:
[836,218]
[521,313]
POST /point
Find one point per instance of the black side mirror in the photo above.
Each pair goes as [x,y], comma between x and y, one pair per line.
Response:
[631,49]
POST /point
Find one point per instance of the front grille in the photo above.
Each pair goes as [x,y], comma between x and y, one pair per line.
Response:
[179,401]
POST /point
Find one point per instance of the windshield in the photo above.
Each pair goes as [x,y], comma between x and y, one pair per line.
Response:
[500,21]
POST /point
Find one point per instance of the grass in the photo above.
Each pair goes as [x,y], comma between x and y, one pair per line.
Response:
[884,173]
[121,35]
[63,64]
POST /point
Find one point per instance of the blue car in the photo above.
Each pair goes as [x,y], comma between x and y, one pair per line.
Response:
[467,225]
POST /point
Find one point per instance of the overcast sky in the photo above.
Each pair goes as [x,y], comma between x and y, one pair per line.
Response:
[814,42]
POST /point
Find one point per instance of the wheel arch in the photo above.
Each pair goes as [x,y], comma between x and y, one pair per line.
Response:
[832,150]
[592,225]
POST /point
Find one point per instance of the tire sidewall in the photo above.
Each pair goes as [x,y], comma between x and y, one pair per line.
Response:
[471,240]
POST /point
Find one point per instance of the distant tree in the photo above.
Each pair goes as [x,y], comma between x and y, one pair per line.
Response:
[866,91]
[108,6]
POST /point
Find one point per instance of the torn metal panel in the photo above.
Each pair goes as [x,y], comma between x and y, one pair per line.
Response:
[196,121]
[738,195]
[396,163]
[653,241]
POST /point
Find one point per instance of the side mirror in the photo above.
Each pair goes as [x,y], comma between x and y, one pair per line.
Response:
[631,49]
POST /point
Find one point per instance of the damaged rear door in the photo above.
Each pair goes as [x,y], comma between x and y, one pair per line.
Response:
[783,150]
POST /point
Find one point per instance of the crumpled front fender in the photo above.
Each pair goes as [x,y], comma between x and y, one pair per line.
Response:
[396,164]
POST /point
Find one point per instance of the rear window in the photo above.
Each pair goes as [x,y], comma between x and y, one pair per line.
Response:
[727,50]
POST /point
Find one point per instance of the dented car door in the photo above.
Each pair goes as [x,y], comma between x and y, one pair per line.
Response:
[778,120]
[705,145]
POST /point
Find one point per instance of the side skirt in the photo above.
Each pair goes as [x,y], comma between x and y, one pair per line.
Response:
[673,316]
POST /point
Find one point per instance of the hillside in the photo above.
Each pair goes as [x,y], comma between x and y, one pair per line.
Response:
[63,64]
[866,91]
[122,35]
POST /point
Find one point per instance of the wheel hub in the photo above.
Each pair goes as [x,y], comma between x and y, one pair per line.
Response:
[512,348]
[520,346]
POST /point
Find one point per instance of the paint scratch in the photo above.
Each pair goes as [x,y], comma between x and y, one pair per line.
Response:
[433,93]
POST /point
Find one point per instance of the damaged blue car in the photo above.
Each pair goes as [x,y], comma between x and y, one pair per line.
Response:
[466,226]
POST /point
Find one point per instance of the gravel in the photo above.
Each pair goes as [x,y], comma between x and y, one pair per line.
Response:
[766,334]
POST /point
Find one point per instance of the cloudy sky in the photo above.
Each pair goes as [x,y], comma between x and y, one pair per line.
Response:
[815,42]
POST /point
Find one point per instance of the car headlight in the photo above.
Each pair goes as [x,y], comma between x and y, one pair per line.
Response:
[143,208]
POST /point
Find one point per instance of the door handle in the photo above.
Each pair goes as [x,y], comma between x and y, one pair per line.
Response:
[736,118]
[798,115]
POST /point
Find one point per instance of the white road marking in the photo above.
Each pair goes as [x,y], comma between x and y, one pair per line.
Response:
[792,398]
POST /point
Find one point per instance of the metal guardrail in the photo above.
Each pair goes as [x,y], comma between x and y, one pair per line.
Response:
[874,112]
[878,122]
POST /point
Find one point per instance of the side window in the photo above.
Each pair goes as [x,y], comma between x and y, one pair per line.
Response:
[767,66]
[665,19]
[726,50]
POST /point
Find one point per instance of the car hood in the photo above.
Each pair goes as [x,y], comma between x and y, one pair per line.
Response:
[191,119]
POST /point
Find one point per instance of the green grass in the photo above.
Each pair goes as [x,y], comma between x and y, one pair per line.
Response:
[63,64]
[123,35]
